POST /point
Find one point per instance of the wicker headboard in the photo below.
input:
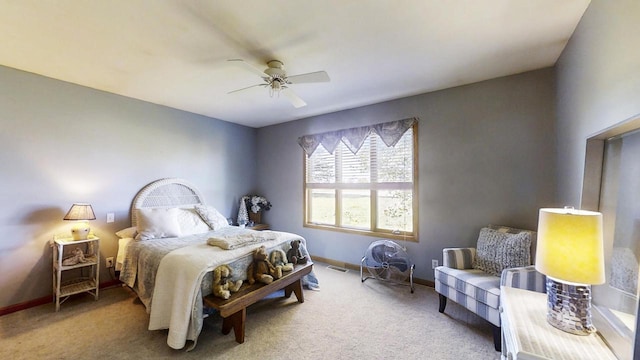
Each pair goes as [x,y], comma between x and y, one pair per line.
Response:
[165,193]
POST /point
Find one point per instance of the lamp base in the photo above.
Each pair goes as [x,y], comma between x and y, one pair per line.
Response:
[569,307]
[80,231]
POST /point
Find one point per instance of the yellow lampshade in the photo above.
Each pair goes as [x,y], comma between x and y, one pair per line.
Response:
[570,246]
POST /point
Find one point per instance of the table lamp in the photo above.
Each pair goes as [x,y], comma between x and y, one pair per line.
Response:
[81,213]
[570,252]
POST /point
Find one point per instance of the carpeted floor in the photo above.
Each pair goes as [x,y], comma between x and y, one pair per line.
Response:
[346,319]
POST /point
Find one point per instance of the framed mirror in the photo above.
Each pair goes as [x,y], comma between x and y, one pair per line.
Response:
[612,186]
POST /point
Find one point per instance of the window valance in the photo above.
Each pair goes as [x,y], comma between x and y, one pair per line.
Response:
[389,132]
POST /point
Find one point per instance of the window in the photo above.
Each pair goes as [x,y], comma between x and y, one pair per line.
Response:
[370,192]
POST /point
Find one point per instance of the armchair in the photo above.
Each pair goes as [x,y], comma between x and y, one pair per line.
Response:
[472,277]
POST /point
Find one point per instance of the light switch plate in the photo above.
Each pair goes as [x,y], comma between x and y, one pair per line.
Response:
[111,217]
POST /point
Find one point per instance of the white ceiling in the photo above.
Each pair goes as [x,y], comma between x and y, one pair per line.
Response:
[175,53]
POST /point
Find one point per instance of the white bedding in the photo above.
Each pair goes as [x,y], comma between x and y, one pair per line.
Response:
[122,248]
[173,294]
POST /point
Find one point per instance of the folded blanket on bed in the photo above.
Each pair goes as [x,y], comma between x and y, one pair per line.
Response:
[235,241]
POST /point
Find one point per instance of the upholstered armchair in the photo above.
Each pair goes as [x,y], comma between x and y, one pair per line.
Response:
[472,277]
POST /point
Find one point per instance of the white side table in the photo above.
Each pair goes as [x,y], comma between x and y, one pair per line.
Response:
[527,335]
[62,248]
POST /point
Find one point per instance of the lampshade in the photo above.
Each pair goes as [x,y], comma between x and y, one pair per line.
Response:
[570,246]
[81,212]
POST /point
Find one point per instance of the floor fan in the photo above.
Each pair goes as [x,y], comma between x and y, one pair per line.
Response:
[386,260]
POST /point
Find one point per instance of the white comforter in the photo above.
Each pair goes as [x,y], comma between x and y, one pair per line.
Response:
[177,296]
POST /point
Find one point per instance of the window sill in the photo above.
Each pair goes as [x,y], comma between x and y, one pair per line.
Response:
[386,235]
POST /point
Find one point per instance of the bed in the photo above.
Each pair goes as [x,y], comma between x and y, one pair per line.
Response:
[166,259]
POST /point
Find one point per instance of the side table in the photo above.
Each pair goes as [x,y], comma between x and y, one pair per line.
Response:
[259,227]
[527,335]
[62,248]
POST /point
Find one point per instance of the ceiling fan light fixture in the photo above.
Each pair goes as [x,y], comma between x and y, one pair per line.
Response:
[276,79]
[275,88]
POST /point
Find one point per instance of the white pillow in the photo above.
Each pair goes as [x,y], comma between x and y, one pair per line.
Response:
[212,217]
[157,223]
[191,223]
[129,232]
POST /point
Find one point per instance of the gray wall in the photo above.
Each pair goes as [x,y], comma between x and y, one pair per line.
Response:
[598,84]
[61,143]
[486,155]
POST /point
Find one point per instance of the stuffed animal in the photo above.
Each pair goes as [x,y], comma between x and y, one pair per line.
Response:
[222,284]
[261,269]
[279,258]
[294,255]
[77,257]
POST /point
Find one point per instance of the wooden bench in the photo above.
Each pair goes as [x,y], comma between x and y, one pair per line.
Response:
[234,310]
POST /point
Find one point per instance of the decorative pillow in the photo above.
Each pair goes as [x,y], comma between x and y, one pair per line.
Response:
[498,250]
[157,223]
[190,222]
[532,235]
[212,217]
[624,275]
[129,232]
[510,230]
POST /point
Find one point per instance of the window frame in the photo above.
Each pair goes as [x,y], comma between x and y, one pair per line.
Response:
[373,189]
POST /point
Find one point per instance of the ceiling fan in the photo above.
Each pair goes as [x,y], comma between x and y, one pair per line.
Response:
[276,80]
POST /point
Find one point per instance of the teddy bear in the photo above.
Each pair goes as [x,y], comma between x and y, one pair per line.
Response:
[222,285]
[294,255]
[279,258]
[77,257]
[261,269]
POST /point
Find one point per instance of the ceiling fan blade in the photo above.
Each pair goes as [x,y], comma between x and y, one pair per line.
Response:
[248,66]
[295,100]
[248,87]
[318,76]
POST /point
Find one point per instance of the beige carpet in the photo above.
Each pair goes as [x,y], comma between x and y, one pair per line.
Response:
[346,319]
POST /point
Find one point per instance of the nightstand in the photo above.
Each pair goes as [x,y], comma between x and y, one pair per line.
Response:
[527,335]
[77,281]
[259,227]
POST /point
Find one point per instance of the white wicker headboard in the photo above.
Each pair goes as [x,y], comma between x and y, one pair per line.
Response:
[164,193]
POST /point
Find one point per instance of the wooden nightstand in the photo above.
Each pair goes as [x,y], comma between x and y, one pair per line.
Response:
[62,248]
[527,335]
[259,227]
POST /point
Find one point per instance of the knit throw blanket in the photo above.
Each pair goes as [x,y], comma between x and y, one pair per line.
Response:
[241,239]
